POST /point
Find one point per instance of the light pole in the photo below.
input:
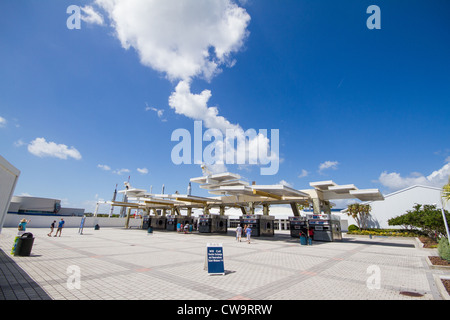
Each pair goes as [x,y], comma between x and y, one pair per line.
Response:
[445,221]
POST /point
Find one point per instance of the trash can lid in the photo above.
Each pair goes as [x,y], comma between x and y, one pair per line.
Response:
[27,235]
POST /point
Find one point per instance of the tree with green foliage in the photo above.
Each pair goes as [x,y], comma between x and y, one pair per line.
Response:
[446,192]
[361,214]
[427,218]
[445,197]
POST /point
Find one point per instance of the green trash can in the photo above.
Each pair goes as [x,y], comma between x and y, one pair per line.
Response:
[24,245]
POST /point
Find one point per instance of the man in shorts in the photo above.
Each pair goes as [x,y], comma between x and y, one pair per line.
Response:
[60,226]
[52,226]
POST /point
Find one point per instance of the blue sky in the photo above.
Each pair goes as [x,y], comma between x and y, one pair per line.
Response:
[352,105]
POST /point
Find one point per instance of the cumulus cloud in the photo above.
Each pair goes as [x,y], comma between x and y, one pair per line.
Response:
[2,122]
[394,181]
[181,38]
[186,39]
[142,170]
[41,148]
[303,174]
[328,165]
[104,167]
[195,106]
[252,147]
[121,171]
[89,15]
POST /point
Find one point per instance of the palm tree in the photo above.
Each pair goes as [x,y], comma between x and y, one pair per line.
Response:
[445,197]
[446,192]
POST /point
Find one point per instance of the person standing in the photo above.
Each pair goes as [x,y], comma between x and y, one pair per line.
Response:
[310,235]
[248,232]
[52,226]
[60,226]
[238,233]
[23,224]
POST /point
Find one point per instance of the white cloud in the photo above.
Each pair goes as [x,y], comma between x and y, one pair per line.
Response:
[195,106]
[91,16]
[181,38]
[394,181]
[121,171]
[104,167]
[328,165]
[303,174]
[2,122]
[142,170]
[159,112]
[19,143]
[285,183]
[184,39]
[41,148]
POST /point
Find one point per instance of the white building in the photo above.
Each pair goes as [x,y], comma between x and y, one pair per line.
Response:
[397,203]
[8,179]
[41,206]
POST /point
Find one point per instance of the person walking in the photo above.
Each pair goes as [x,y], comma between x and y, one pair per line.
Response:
[60,226]
[52,227]
[238,233]
[310,235]
[248,233]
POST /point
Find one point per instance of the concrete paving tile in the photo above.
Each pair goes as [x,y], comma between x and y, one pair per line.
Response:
[116,263]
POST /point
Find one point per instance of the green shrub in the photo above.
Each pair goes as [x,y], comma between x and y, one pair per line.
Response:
[352,227]
[385,232]
[444,249]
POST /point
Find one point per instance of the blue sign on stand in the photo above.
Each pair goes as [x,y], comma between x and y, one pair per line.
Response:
[80,229]
[214,259]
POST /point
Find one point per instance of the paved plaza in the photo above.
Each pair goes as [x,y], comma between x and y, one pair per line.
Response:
[117,263]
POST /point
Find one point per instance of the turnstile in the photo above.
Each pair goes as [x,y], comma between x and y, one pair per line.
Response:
[158,222]
[297,226]
[212,223]
[327,227]
[261,225]
[173,220]
[146,221]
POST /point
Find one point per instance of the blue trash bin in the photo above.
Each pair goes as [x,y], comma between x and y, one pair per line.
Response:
[150,230]
[303,240]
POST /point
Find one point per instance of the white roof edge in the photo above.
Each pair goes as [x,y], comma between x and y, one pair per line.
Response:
[406,189]
[8,166]
[325,182]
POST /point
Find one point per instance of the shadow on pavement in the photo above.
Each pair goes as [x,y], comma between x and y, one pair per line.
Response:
[16,284]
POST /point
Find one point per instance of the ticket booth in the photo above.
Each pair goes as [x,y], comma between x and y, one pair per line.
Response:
[212,223]
[173,220]
[185,220]
[297,226]
[327,227]
[261,225]
[146,221]
[158,222]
